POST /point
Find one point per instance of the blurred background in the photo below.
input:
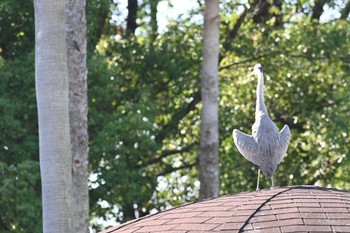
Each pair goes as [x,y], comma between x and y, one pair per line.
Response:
[144,61]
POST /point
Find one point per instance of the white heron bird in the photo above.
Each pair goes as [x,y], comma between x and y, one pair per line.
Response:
[266,147]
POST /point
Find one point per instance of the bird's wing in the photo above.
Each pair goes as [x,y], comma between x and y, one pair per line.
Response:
[283,143]
[247,146]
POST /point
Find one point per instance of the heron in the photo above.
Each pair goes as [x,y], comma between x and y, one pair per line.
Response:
[266,147]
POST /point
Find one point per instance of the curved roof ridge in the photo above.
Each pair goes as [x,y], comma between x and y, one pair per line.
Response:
[263,204]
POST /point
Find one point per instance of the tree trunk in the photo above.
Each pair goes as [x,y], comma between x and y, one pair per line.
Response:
[51,80]
[345,11]
[261,11]
[76,57]
[209,140]
[131,24]
[279,16]
[317,9]
[154,22]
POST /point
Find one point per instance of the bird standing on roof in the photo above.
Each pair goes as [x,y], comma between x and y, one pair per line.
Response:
[266,147]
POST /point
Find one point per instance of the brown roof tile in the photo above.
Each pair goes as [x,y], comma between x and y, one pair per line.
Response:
[303,228]
[287,209]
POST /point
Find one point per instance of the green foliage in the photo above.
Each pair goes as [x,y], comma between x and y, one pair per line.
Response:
[97,17]
[144,106]
[306,89]
[17,28]
[158,81]
[20,205]
[19,166]
[141,92]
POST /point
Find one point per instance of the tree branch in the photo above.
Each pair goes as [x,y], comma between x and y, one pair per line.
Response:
[171,169]
[344,59]
[233,33]
[245,61]
[166,154]
[261,11]
[177,117]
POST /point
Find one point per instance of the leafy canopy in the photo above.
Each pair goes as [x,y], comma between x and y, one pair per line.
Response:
[144,105]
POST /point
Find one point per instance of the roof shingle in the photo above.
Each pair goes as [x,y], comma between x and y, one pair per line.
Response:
[285,209]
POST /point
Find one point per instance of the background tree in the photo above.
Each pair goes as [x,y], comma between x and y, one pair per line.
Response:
[51,78]
[317,9]
[345,11]
[77,74]
[131,24]
[144,95]
[153,13]
[20,186]
[209,140]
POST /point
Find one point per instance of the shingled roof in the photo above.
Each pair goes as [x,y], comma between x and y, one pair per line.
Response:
[286,209]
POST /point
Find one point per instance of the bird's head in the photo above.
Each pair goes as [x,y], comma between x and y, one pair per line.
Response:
[257,69]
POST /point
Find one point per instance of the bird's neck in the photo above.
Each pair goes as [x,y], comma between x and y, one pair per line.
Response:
[260,105]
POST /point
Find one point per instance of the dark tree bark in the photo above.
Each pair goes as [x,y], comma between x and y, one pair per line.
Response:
[131,24]
[279,17]
[345,11]
[128,212]
[317,10]
[228,41]
[154,22]
[234,31]
[100,25]
[78,106]
[261,11]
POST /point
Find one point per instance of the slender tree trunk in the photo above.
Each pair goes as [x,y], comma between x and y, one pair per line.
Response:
[261,11]
[209,140]
[317,9]
[131,24]
[51,80]
[279,16]
[76,56]
[154,22]
[345,11]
